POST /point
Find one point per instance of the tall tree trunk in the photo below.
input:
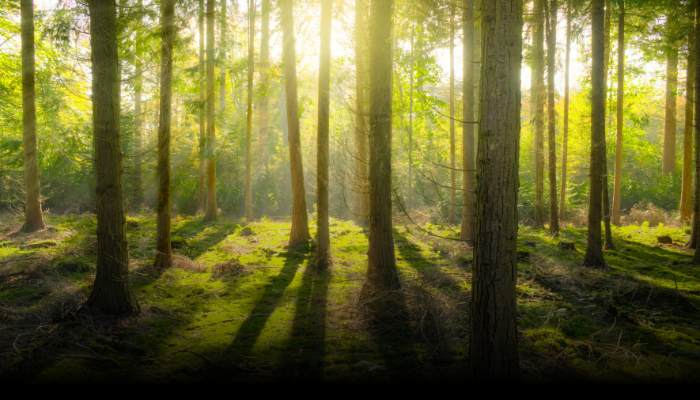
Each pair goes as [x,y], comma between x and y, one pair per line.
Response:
[594,245]
[138,124]
[494,343]
[538,99]
[223,44]
[411,92]
[669,157]
[300,221]
[164,251]
[606,193]
[361,185]
[552,116]
[202,197]
[453,161]
[686,206]
[211,210]
[565,135]
[617,185]
[264,87]
[236,99]
[696,200]
[468,176]
[249,114]
[323,234]
[33,218]
[382,262]
[111,293]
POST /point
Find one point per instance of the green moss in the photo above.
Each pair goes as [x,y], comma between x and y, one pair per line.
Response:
[579,326]
[8,250]
[21,294]
[272,314]
[546,340]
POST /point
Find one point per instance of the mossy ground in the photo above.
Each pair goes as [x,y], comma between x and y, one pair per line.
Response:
[239,306]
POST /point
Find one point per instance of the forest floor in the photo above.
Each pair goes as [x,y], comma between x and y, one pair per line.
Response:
[238,306]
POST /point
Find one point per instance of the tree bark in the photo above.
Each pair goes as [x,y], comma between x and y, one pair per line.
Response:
[249,114]
[223,44]
[686,206]
[138,125]
[264,87]
[468,175]
[411,102]
[211,209]
[669,156]
[322,220]
[361,185]
[617,184]
[608,243]
[382,262]
[453,158]
[202,196]
[552,116]
[300,222]
[538,100]
[111,293]
[33,218]
[594,248]
[537,95]
[696,200]
[565,133]
[494,343]
[164,251]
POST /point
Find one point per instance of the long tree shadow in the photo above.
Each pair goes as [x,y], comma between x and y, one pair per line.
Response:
[428,271]
[108,349]
[242,345]
[641,254]
[388,322]
[438,325]
[304,358]
[188,240]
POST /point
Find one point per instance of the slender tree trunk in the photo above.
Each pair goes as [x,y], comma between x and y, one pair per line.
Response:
[211,211]
[323,234]
[453,158]
[686,206]
[552,116]
[138,137]
[617,185]
[538,99]
[249,114]
[382,262]
[164,251]
[361,185]
[411,90]
[494,343]
[33,218]
[223,44]
[594,245]
[236,99]
[300,221]
[669,157]
[696,199]
[565,136]
[264,87]
[111,293]
[608,243]
[468,176]
[202,197]
[138,125]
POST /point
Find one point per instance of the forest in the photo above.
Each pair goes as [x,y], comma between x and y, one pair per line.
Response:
[349,191]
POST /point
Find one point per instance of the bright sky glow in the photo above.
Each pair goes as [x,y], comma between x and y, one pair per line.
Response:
[307,28]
